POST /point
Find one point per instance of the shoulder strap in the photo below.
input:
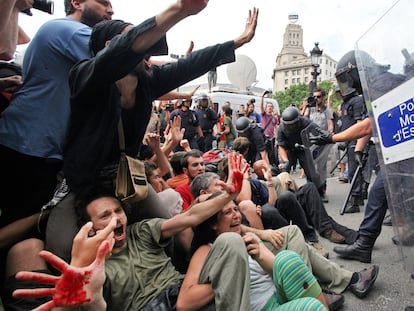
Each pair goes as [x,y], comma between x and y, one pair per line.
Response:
[267,124]
[121,138]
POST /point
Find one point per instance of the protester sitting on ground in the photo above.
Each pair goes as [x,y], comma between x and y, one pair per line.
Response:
[307,198]
[170,199]
[179,177]
[329,273]
[286,288]
[192,164]
[256,194]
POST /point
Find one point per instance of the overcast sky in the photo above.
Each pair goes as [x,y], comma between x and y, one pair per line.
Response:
[336,25]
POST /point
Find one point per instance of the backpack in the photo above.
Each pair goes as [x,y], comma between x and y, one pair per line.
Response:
[213,157]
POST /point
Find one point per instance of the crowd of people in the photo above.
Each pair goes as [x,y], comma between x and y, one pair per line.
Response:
[233,233]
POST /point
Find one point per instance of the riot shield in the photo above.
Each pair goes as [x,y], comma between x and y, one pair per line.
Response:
[310,154]
[385,62]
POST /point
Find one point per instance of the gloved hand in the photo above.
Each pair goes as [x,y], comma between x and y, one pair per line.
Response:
[359,157]
[323,138]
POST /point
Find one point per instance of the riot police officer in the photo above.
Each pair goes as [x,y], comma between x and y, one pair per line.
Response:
[291,144]
[254,133]
[382,81]
[189,122]
[353,110]
[207,118]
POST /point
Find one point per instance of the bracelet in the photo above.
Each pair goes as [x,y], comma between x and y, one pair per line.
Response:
[270,184]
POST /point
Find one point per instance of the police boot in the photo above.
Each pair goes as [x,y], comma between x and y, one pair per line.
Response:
[364,192]
[352,206]
[361,249]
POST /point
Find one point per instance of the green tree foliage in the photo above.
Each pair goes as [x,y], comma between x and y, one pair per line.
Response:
[296,93]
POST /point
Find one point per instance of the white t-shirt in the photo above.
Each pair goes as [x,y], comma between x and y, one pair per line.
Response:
[261,286]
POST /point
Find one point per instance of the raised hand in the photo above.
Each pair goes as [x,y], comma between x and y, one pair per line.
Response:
[237,170]
[152,140]
[74,287]
[249,29]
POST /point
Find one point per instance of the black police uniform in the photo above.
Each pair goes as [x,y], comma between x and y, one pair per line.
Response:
[207,118]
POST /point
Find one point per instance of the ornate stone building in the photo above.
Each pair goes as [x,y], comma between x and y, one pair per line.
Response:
[293,64]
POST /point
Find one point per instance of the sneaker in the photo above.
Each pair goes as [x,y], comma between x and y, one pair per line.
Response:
[325,198]
[334,301]
[320,249]
[333,236]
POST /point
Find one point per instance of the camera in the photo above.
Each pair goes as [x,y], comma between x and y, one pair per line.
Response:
[311,101]
[170,107]
[42,5]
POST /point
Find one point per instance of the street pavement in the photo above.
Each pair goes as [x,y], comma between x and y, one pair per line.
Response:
[394,288]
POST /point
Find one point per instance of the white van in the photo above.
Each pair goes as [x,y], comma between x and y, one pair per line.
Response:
[235,99]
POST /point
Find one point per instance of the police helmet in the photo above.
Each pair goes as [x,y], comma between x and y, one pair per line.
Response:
[201,96]
[347,74]
[243,124]
[290,115]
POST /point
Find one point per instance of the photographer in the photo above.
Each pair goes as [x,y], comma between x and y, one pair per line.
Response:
[269,124]
[321,115]
[250,113]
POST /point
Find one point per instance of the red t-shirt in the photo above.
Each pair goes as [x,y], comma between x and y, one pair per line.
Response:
[186,195]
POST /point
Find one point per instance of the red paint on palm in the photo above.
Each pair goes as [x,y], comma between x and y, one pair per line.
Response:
[237,180]
[69,289]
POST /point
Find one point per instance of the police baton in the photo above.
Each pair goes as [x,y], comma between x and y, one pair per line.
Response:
[354,178]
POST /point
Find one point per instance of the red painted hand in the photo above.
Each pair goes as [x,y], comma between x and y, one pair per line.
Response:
[75,287]
[236,172]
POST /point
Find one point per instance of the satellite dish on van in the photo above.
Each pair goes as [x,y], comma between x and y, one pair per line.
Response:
[242,73]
